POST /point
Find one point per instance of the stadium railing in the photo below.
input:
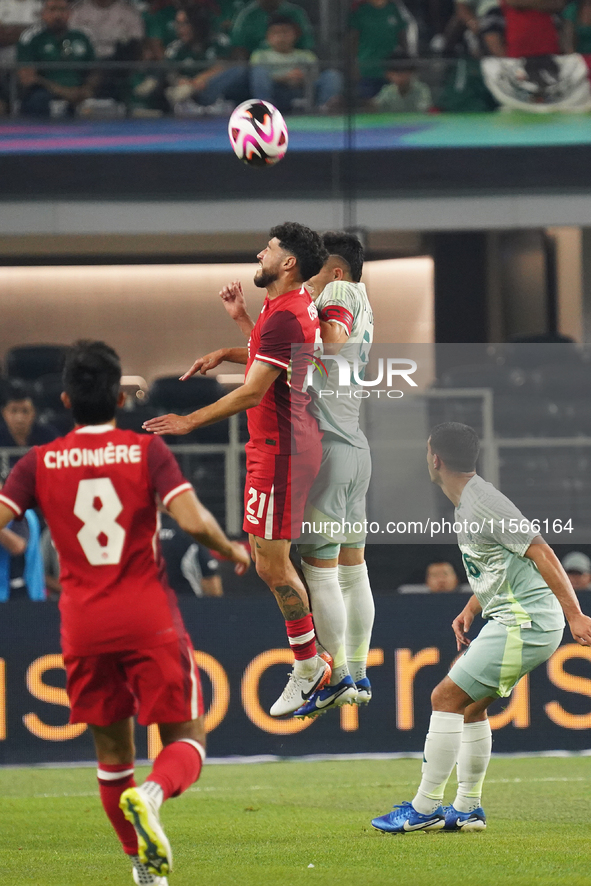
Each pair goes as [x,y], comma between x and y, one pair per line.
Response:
[433,71]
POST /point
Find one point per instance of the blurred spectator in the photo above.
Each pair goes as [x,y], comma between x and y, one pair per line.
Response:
[467,24]
[159,24]
[190,567]
[145,94]
[404,92]
[228,12]
[250,27]
[530,28]
[51,566]
[15,17]
[111,24]
[464,90]
[21,565]
[54,40]
[278,74]
[18,426]
[578,568]
[202,87]
[377,28]
[440,578]
[576,35]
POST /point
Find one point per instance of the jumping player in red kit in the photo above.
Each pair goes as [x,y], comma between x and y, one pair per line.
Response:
[125,648]
[284,451]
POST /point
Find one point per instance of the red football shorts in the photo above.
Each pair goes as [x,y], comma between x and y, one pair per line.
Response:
[276,491]
[159,685]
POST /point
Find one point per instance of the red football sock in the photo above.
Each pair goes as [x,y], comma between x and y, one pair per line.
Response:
[113,780]
[177,766]
[301,636]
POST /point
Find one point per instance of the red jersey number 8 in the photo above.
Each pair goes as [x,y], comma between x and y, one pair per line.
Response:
[98,506]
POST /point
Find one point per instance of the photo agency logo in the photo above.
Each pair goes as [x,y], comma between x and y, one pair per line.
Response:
[345,377]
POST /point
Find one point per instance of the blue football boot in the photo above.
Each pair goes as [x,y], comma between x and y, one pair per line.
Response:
[405,818]
[469,822]
[328,697]
[363,691]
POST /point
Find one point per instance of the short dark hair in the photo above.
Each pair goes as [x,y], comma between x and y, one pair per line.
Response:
[348,247]
[304,244]
[15,391]
[92,377]
[283,20]
[457,445]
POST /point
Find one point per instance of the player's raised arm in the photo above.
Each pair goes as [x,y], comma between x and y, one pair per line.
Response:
[551,570]
[210,361]
[258,381]
[194,518]
[234,301]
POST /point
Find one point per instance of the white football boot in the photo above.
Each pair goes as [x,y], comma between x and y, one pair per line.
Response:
[300,688]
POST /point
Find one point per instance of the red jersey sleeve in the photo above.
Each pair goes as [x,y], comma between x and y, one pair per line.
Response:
[165,474]
[18,493]
[280,332]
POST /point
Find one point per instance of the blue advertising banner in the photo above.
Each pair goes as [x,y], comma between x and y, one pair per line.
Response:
[244,661]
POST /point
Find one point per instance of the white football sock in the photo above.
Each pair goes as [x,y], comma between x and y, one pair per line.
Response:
[329,614]
[442,748]
[473,762]
[356,591]
[153,790]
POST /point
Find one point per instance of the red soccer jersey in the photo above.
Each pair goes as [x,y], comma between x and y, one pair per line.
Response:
[281,423]
[97,489]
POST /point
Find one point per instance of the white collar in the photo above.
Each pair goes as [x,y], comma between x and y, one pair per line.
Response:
[95,429]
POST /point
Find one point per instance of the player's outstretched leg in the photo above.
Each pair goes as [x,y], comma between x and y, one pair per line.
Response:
[442,749]
[175,769]
[330,622]
[310,672]
[358,599]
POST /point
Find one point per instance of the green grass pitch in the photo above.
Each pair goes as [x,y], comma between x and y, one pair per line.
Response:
[264,824]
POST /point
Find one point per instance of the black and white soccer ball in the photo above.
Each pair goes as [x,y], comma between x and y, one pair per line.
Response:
[258,133]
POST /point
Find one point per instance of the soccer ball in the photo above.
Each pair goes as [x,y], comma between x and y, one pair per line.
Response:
[258,133]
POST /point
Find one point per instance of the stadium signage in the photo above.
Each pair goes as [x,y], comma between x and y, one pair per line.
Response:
[243,671]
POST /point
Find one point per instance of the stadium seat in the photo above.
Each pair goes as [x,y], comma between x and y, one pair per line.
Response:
[168,394]
[29,362]
[47,392]
[133,419]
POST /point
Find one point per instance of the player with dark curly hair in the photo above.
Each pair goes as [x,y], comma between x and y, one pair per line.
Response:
[284,451]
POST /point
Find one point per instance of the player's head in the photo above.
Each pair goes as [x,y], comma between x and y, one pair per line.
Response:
[294,253]
[18,410]
[441,578]
[92,376]
[344,262]
[452,447]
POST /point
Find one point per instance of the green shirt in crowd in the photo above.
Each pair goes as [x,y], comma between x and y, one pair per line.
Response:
[250,27]
[282,63]
[582,32]
[37,44]
[161,24]
[418,98]
[379,33]
[190,55]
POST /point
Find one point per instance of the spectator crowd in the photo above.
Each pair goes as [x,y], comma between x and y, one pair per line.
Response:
[194,57]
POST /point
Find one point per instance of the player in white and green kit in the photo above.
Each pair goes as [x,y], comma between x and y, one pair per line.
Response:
[522,590]
[334,563]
